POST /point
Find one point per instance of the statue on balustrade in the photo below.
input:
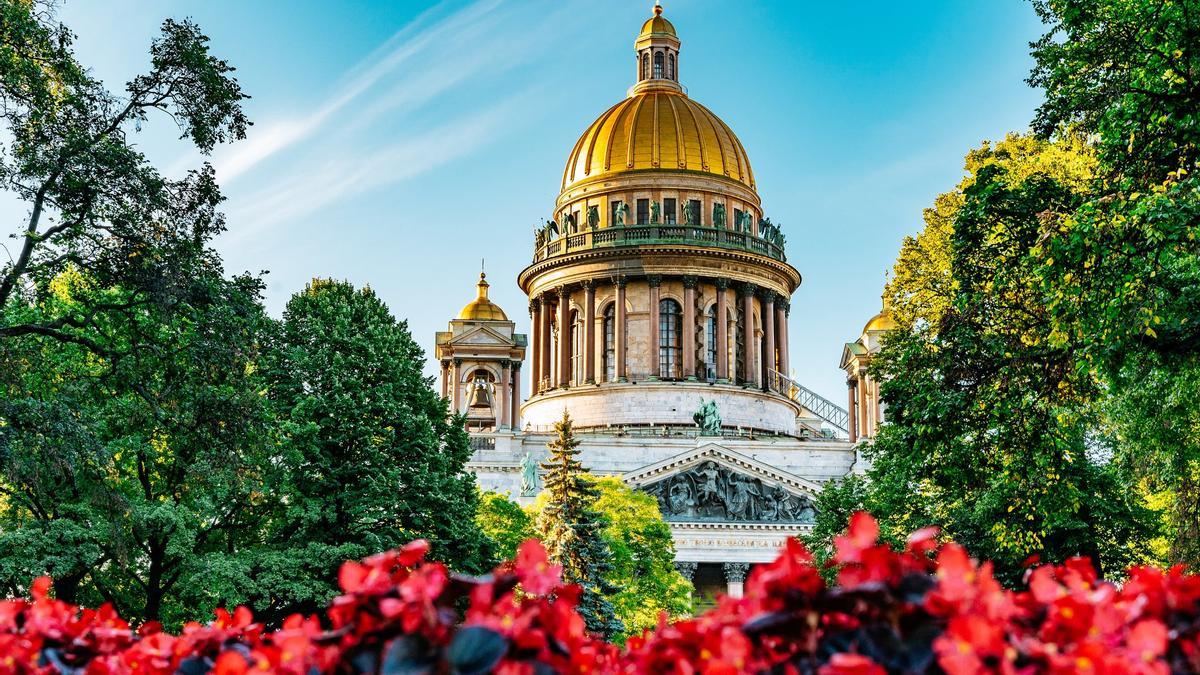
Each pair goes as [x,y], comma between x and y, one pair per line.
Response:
[718,215]
[593,217]
[747,222]
[655,210]
[712,492]
[692,213]
[708,418]
[621,213]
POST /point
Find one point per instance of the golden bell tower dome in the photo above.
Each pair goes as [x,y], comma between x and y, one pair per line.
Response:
[481,308]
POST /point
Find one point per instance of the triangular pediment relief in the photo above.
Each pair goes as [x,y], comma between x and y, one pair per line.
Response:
[714,483]
[481,335]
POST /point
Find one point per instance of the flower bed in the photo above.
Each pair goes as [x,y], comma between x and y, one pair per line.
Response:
[928,608]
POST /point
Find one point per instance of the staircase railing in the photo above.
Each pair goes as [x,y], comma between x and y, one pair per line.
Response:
[818,405]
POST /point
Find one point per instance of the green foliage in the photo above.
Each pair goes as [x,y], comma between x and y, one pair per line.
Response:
[839,499]
[504,522]
[369,456]
[572,531]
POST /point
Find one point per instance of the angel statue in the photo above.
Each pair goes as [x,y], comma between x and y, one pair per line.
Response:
[593,217]
[621,213]
[539,237]
[654,211]
[708,419]
[552,229]
[718,215]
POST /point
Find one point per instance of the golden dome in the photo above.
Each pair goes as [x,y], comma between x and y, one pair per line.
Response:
[658,129]
[482,309]
[657,26]
[881,321]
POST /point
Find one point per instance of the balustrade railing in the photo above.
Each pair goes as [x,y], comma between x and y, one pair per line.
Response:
[657,233]
[818,405]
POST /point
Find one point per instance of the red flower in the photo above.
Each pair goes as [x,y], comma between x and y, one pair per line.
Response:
[862,535]
[851,664]
[533,568]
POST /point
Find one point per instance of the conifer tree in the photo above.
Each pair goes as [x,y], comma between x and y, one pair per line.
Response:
[572,530]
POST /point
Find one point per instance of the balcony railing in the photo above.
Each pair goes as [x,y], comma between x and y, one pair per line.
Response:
[660,233]
[818,405]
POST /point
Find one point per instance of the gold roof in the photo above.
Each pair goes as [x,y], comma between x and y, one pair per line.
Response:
[658,128]
[657,25]
[881,321]
[482,309]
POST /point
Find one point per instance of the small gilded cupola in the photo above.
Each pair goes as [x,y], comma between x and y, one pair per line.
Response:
[657,48]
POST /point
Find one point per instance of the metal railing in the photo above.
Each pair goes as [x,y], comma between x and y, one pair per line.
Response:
[818,405]
[658,233]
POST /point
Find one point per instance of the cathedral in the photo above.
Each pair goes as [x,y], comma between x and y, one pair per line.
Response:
[659,296]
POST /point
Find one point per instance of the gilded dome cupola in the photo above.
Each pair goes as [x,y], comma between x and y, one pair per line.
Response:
[481,308]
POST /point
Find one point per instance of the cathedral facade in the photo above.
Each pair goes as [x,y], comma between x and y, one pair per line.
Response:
[659,301]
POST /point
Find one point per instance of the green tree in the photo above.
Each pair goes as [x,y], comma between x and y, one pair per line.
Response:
[572,531]
[370,457]
[994,426]
[504,522]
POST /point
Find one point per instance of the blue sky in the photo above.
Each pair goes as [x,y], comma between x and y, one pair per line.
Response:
[397,143]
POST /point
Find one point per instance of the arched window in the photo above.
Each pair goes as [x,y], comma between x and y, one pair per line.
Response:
[670,335]
[671,66]
[610,343]
[577,347]
[658,65]
[710,347]
[645,65]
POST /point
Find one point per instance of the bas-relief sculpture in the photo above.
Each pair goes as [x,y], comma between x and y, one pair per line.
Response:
[711,492]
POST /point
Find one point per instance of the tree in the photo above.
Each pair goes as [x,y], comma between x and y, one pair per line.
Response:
[369,455]
[994,426]
[504,522]
[96,206]
[1122,275]
[571,529]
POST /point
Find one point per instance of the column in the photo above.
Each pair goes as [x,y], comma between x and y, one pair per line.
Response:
[621,330]
[564,337]
[502,397]
[654,280]
[589,332]
[544,356]
[445,377]
[735,576]
[515,414]
[722,330]
[768,320]
[686,569]
[863,415]
[852,408]
[455,376]
[782,306]
[689,327]
[535,344]
[747,291]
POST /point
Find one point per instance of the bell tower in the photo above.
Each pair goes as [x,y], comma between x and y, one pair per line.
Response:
[657,49]
[481,357]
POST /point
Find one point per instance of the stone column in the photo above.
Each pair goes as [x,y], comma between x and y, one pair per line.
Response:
[863,414]
[502,397]
[768,318]
[589,332]
[782,307]
[686,569]
[689,327]
[735,577]
[535,346]
[722,330]
[515,414]
[564,337]
[852,408]
[621,330]
[544,357]
[655,371]
[747,291]
[454,383]
[445,377]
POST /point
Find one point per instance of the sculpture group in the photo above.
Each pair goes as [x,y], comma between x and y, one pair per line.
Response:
[710,491]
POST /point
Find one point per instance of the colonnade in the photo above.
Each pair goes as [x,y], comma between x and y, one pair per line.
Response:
[735,575]
[864,406]
[764,350]
[507,407]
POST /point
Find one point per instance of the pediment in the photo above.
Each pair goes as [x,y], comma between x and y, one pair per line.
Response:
[481,335]
[851,351]
[715,484]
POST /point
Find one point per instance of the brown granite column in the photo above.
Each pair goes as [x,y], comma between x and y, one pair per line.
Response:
[445,377]
[654,280]
[503,397]
[547,342]
[589,332]
[564,337]
[456,375]
[770,366]
[722,330]
[515,414]
[781,334]
[535,346]
[621,330]
[747,291]
[863,409]
[689,327]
